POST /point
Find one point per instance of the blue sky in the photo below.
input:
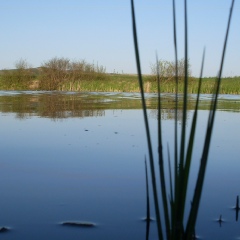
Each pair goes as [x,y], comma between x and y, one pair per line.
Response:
[101,32]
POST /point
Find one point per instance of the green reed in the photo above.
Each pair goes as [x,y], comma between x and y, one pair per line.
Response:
[108,85]
[124,83]
[174,209]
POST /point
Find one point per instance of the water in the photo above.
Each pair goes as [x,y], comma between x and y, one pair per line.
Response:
[80,157]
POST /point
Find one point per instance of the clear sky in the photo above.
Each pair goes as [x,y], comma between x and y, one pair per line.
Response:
[100,31]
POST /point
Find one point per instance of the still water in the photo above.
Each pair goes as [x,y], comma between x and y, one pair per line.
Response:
[79,157]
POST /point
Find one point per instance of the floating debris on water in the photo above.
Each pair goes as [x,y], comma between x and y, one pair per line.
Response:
[4,229]
[79,224]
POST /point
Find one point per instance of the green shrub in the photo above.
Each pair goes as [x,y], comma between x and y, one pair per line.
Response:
[61,71]
[19,78]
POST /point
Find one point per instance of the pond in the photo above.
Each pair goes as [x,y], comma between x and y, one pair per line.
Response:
[72,165]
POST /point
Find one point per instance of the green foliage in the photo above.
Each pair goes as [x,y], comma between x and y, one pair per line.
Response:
[19,78]
[61,71]
[63,74]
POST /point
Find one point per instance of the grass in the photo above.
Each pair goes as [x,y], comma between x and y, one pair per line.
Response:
[129,83]
[112,84]
[174,227]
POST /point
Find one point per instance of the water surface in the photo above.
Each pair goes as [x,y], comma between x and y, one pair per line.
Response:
[69,157]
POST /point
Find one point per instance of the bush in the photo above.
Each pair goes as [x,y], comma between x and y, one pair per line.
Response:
[53,72]
[58,71]
[20,77]
[167,70]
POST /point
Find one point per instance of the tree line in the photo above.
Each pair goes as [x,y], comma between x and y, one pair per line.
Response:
[52,73]
[56,72]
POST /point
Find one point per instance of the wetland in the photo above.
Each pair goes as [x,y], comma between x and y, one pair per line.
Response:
[72,164]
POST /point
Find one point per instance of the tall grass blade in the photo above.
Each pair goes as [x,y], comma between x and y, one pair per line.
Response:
[198,189]
[185,96]
[176,163]
[170,175]
[171,190]
[147,192]
[191,139]
[237,208]
[179,197]
[148,218]
[160,157]
[176,93]
[155,194]
[171,194]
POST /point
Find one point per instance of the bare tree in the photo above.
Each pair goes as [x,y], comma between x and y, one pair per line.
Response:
[167,70]
[58,71]
[53,72]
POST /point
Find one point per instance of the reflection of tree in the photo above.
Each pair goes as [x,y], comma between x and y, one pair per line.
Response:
[168,111]
[50,105]
[166,114]
[63,105]
[60,105]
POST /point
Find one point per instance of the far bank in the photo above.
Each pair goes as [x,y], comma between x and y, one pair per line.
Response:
[120,83]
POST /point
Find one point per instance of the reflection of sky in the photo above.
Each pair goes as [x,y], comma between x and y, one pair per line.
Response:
[93,169]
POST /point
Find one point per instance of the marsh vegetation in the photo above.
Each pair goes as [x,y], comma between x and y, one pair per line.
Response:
[174,220]
[62,74]
[72,164]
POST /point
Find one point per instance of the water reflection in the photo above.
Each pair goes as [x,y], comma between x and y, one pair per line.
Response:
[60,105]
[220,221]
[89,167]
[237,208]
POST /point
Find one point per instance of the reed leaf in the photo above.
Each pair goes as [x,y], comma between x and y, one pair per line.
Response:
[148,218]
[160,158]
[201,174]
[191,139]
[179,228]
[173,204]
[174,225]
[147,193]
[170,176]
[154,185]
